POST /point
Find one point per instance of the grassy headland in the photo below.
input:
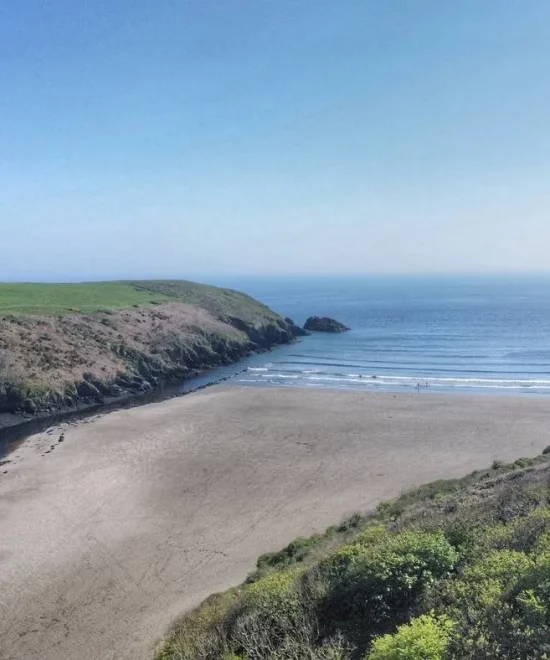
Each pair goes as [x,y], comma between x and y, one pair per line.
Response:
[68,344]
[455,569]
[48,299]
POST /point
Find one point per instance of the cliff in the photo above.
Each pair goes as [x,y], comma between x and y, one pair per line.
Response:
[64,346]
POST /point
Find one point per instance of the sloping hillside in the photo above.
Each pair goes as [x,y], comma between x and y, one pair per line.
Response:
[68,344]
[454,570]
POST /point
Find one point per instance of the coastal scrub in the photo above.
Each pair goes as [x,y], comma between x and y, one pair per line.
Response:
[452,570]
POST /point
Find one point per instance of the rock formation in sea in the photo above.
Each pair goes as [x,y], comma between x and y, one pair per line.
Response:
[324,324]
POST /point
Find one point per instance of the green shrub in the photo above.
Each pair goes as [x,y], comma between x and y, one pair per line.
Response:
[371,536]
[352,523]
[469,580]
[424,638]
[531,531]
[500,606]
[274,596]
[273,615]
[474,541]
[482,584]
[391,509]
[295,552]
[202,633]
[521,624]
[372,588]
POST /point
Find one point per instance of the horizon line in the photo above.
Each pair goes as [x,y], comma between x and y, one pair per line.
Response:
[289,275]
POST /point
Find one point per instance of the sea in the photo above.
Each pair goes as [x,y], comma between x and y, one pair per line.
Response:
[412,334]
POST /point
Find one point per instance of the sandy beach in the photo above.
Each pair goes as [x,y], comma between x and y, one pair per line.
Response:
[139,514]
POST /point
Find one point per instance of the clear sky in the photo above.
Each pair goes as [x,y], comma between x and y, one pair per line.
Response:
[170,138]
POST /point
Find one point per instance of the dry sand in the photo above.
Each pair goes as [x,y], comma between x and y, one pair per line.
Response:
[142,513]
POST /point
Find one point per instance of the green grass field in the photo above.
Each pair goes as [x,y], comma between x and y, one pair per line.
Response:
[90,297]
[66,298]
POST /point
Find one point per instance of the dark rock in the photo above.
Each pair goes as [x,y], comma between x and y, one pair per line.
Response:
[295,329]
[29,406]
[87,390]
[324,324]
[267,335]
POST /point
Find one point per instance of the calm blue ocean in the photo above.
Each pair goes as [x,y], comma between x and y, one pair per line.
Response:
[487,335]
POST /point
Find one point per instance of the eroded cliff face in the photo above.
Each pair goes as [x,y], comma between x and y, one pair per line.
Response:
[49,363]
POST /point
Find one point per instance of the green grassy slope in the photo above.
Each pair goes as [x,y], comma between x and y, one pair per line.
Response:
[66,298]
[90,297]
[453,570]
[65,344]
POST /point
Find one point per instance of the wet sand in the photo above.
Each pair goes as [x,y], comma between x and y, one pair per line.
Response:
[140,514]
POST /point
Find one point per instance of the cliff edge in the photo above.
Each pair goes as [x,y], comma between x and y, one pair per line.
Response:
[68,345]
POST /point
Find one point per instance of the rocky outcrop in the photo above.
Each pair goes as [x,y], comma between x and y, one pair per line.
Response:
[269,334]
[324,324]
[295,329]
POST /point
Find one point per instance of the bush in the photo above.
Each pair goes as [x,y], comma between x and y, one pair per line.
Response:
[352,523]
[372,588]
[469,580]
[530,531]
[425,638]
[273,614]
[274,596]
[521,622]
[295,552]
[202,634]
[482,584]
[371,536]
[490,602]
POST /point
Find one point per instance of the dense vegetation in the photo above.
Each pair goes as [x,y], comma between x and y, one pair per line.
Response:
[455,569]
[63,345]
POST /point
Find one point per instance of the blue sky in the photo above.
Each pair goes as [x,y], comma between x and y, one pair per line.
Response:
[178,138]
